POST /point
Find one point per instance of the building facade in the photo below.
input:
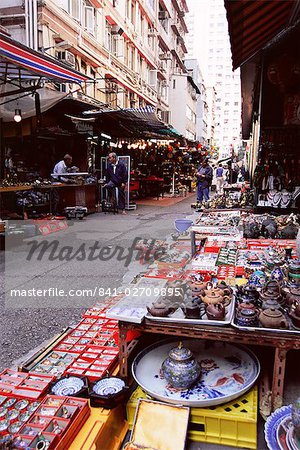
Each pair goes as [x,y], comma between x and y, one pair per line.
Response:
[131,49]
[202,106]
[214,57]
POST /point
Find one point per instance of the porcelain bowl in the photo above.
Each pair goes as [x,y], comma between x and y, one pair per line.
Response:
[108,386]
[67,386]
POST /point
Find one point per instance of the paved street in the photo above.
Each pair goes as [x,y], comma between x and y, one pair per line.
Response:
[25,326]
[28,322]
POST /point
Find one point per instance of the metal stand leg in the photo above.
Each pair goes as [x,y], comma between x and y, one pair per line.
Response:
[123,352]
[278,378]
[193,242]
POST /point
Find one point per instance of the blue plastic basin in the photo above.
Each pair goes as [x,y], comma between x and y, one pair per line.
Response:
[182,225]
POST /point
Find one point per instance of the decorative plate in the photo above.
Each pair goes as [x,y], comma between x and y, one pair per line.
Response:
[108,386]
[33,406]
[21,404]
[279,421]
[24,416]
[12,414]
[68,386]
[10,402]
[227,371]
[14,427]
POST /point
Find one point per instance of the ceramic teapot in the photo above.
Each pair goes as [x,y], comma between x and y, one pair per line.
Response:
[226,289]
[180,368]
[247,305]
[248,293]
[271,290]
[247,317]
[160,308]
[196,282]
[175,291]
[295,308]
[270,303]
[273,318]
[215,311]
[212,297]
[293,296]
[191,310]
[294,318]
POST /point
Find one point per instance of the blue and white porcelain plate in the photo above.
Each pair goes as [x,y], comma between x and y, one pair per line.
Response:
[68,386]
[227,372]
[108,386]
[272,426]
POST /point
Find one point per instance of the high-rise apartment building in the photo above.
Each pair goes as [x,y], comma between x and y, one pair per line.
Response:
[208,41]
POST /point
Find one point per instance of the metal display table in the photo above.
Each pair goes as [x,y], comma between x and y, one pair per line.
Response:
[282,342]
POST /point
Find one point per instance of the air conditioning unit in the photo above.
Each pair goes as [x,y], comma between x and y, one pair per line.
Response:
[162,15]
[152,32]
[165,56]
[66,57]
[181,14]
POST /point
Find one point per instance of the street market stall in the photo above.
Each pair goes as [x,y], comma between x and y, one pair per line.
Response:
[216,300]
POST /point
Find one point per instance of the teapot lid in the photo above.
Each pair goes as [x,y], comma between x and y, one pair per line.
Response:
[159,304]
[248,312]
[271,312]
[180,353]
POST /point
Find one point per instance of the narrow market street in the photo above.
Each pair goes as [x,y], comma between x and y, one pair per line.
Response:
[35,325]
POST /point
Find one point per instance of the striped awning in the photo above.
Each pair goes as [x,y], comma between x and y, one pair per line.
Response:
[132,122]
[18,62]
[254,23]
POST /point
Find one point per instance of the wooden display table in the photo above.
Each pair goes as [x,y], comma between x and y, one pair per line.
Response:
[78,195]
[282,342]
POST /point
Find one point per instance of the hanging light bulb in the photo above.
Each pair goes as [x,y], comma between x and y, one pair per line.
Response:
[17,116]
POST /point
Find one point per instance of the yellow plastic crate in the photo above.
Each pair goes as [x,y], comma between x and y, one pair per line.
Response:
[234,423]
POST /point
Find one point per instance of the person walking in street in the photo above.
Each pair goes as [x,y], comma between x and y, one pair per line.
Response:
[220,179]
[204,176]
[116,177]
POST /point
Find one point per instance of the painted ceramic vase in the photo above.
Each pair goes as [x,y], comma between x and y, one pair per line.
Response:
[296,417]
[180,368]
[278,274]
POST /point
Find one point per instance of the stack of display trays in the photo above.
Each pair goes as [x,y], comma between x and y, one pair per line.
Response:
[95,363]
[24,385]
[55,363]
[56,422]
[14,413]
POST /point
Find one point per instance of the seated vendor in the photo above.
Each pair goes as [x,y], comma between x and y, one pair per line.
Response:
[62,167]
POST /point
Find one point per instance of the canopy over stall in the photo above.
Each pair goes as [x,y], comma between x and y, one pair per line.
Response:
[23,71]
[253,24]
[130,123]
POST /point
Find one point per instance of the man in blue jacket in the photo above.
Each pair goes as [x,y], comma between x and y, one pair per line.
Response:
[117,176]
[204,179]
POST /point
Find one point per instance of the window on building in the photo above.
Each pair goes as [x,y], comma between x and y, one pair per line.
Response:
[108,36]
[89,19]
[133,12]
[127,9]
[174,84]
[151,4]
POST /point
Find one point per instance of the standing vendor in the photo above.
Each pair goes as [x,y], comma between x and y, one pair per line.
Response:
[62,167]
[204,179]
[117,177]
